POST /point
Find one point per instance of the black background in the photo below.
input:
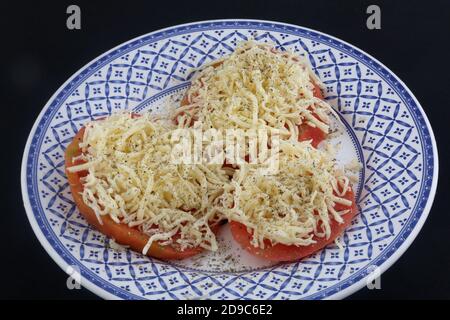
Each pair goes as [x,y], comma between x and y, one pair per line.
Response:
[39,53]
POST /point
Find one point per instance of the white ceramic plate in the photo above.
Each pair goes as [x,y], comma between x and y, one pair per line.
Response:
[386,130]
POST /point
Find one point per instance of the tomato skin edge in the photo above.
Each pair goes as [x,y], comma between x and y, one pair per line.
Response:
[121,233]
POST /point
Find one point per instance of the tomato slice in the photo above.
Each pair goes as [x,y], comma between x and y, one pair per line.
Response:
[121,233]
[280,252]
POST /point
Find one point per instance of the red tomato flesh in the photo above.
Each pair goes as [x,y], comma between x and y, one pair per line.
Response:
[306,132]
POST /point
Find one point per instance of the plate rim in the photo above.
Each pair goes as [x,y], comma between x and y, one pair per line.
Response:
[101,292]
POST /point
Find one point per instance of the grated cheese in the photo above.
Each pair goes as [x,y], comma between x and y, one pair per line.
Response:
[256,87]
[132,178]
[293,205]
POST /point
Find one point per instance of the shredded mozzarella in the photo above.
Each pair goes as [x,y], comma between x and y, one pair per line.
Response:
[132,178]
[256,87]
[293,205]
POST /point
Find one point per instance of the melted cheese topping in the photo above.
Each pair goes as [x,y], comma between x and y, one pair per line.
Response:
[256,87]
[133,179]
[293,205]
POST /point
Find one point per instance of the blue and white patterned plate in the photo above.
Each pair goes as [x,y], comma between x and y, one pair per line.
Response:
[387,131]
